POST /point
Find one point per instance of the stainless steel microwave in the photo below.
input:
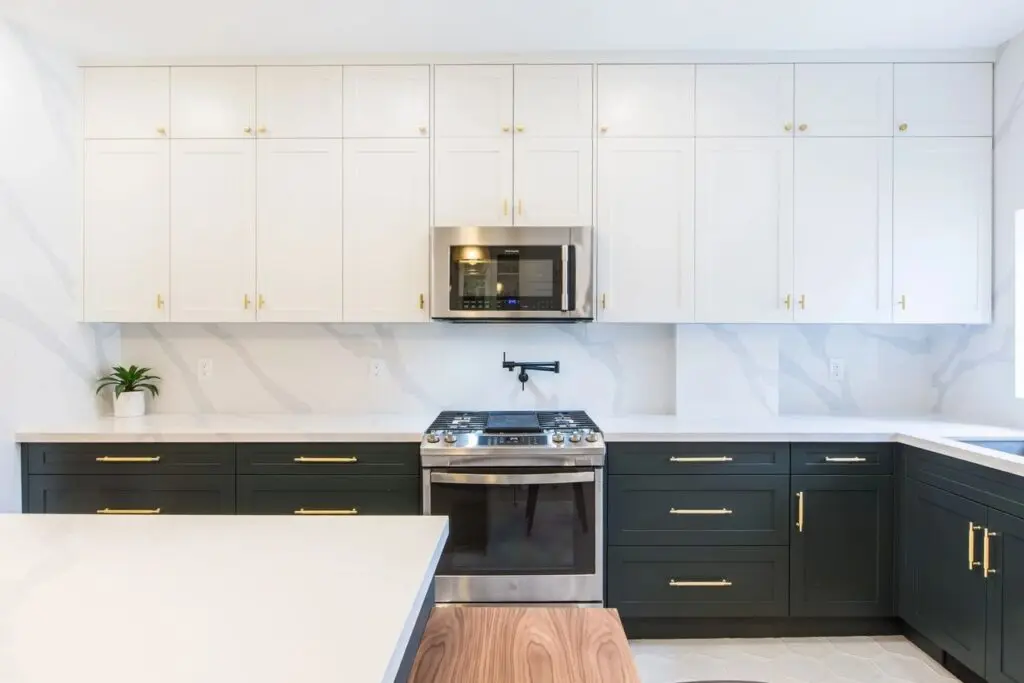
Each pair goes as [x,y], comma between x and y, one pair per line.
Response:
[512,274]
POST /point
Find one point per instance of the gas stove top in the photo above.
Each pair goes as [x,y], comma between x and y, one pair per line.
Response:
[510,438]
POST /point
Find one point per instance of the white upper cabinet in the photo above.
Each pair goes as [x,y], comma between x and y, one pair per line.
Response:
[127,191]
[843,230]
[554,182]
[645,230]
[387,101]
[745,100]
[844,100]
[472,101]
[387,230]
[213,230]
[934,100]
[473,181]
[213,101]
[554,101]
[127,103]
[942,230]
[298,102]
[645,100]
[299,230]
[744,230]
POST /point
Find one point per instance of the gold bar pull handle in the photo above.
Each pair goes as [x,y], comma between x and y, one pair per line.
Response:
[702,458]
[802,302]
[800,511]
[971,563]
[788,301]
[423,302]
[159,301]
[260,301]
[903,302]
[694,511]
[134,458]
[520,207]
[326,513]
[604,301]
[721,583]
[986,560]
[504,207]
[124,511]
[306,458]
[855,458]
[246,302]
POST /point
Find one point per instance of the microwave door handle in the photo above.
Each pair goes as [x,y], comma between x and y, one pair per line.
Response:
[565,278]
[509,479]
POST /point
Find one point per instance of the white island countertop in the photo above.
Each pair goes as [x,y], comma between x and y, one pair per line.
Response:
[211,599]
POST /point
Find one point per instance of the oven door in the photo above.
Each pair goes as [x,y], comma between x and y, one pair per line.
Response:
[519,534]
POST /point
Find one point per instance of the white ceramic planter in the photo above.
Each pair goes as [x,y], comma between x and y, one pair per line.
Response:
[130,404]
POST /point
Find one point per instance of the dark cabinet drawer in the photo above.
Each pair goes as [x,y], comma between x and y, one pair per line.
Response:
[329,458]
[698,510]
[842,458]
[699,582]
[698,458]
[124,458]
[328,494]
[166,494]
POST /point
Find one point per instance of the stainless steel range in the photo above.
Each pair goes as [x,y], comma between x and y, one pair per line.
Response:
[524,493]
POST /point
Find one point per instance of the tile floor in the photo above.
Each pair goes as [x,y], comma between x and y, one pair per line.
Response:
[880,659]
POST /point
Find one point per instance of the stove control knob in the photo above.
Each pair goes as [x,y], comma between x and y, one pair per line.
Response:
[575,438]
[449,438]
[433,438]
[591,436]
[558,437]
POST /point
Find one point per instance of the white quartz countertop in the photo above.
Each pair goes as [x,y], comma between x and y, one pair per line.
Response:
[210,599]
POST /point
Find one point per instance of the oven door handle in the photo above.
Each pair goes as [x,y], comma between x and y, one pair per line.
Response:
[509,479]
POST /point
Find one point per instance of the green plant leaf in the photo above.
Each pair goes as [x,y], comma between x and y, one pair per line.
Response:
[152,388]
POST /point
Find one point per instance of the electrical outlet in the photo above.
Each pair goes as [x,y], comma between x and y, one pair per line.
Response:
[376,367]
[205,368]
[836,369]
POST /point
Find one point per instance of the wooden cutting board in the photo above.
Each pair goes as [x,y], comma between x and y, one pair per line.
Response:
[523,645]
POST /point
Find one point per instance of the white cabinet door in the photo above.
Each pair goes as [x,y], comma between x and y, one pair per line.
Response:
[126,203]
[554,181]
[387,230]
[213,230]
[554,101]
[645,100]
[844,100]
[125,103]
[299,230]
[843,230]
[744,100]
[942,230]
[744,230]
[472,101]
[213,101]
[645,230]
[473,181]
[934,100]
[387,101]
[299,101]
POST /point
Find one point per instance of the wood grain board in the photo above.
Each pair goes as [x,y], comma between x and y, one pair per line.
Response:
[524,645]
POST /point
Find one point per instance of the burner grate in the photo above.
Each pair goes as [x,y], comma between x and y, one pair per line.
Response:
[458,421]
[566,420]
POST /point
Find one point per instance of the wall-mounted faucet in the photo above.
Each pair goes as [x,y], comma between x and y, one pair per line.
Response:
[523,366]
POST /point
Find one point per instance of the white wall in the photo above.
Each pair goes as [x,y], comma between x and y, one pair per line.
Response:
[47,361]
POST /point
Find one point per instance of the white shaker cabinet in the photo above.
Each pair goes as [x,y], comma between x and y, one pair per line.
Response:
[844,100]
[299,230]
[298,102]
[942,230]
[843,230]
[645,100]
[213,230]
[554,100]
[935,100]
[473,181]
[472,101]
[125,249]
[387,230]
[122,103]
[387,101]
[744,230]
[645,230]
[554,182]
[745,100]
[213,101]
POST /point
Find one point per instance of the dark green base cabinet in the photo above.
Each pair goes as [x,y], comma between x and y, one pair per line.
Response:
[167,494]
[325,494]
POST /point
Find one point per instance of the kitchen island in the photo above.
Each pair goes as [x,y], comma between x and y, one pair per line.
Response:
[209,599]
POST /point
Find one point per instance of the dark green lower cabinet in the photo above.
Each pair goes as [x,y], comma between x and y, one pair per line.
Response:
[842,559]
[170,494]
[313,494]
[1004,661]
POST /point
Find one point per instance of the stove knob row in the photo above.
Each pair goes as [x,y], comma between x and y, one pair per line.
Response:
[433,438]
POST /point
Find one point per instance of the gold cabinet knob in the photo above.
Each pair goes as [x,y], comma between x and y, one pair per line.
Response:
[788,127]
[604,129]
[803,127]
[247,130]
[520,129]
[161,131]
[261,130]
[423,129]
[505,129]
[903,127]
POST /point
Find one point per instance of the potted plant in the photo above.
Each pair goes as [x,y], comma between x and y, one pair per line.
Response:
[130,387]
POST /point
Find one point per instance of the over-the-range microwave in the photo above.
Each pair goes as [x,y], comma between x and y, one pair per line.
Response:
[512,274]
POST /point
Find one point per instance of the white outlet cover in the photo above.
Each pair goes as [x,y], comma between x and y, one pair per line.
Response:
[205,368]
[836,369]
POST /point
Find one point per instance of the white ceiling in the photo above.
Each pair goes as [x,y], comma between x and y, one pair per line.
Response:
[225,28]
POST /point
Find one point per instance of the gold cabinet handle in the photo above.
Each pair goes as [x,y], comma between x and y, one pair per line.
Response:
[604,301]
[971,563]
[247,130]
[803,127]
[604,129]
[261,130]
[504,207]
[802,302]
[124,511]
[800,511]
[722,583]
[133,458]
[260,301]
[788,127]
[903,302]
[520,129]
[325,513]
[986,565]
[246,301]
[306,458]
[788,301]
[161,131]
[903,127]
[855,458]
[702,458]
[520,207]
[423,301]
[159,301]
[505,129]
[423,130]
[695,511]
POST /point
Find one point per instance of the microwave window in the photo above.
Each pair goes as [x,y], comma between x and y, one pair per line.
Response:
[506,277]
